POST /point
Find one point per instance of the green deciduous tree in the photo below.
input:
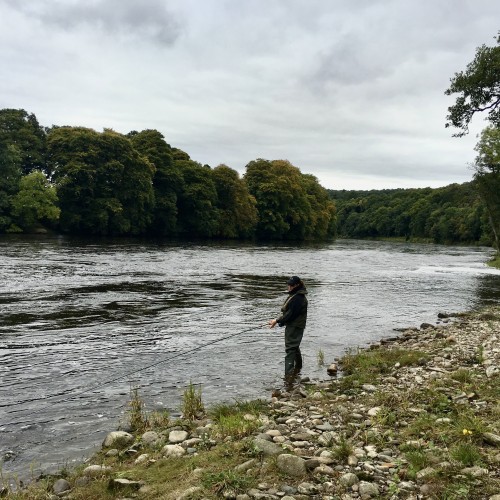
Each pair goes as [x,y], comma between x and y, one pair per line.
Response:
[167,181]
[323,223]
[237,207]
[290,205]
[21,129]
[478,89]
[10,175]
[274,193]
[197,203]
[36,202]
[487,176]
[104,185]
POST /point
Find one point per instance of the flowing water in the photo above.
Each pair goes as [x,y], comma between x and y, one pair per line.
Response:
[83,322]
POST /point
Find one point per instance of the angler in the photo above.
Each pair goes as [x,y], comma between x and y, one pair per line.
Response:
[293,317]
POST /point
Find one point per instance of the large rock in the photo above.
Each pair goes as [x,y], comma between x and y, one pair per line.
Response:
[118,439]
[245,466]
[177,436]
[426,473]
[327,426]
[492,439]
[95,470]
[291,465]
[60,486]
[328,438]
[266,447]
[324,470]
[373,412]
[332,369]
[349,479]
[150,438]
[426,326]
[308,489]
[192,492]
[173,450]
[122,483]
[368,490]
[475,471]
[142,459]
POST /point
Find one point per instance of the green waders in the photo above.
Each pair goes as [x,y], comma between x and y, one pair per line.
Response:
[293,357]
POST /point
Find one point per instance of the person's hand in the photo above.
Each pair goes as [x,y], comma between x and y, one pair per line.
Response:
[272,323]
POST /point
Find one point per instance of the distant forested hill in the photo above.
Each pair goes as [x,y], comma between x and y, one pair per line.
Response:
[451,214]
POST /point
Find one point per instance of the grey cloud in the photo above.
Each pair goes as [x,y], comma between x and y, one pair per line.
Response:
[392,34]
[345,90]
[347,62]
[149,20]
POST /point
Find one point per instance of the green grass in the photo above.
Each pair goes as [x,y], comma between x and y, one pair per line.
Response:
[320,358]
[192,403]
[390,401]
[136,413]
[463,375]
[219,483]
[139,419]
[235,426]
[471,423]
[417,460]
[238,419]
[495,261]
[343,450]
[366,364]
[254,407]
[466,453]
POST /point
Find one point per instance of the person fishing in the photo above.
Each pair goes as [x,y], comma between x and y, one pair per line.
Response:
[293,317]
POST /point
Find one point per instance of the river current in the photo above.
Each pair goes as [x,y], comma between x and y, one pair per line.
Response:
[83,322]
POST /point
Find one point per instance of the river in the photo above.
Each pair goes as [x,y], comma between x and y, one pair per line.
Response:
[81,322]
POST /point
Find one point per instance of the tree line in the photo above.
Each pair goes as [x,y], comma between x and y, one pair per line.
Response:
[76,180]
[79,181]
[451,214]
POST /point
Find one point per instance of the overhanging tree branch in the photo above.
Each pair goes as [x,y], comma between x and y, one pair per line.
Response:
[478,89]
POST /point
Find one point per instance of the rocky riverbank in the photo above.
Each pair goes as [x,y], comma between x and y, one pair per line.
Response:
[414,417]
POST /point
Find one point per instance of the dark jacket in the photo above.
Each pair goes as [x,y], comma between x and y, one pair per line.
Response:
[294,310]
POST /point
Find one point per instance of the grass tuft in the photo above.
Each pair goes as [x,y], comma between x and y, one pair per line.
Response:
[136,413]
[366,364]
[225,483]
[466,453]
[417,460]
[192,404]
[320,357]
[254,407]
[235,426]
[139,419]
[343,450]
[462,375]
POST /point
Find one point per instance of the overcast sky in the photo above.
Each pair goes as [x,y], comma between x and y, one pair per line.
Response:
[351,91]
